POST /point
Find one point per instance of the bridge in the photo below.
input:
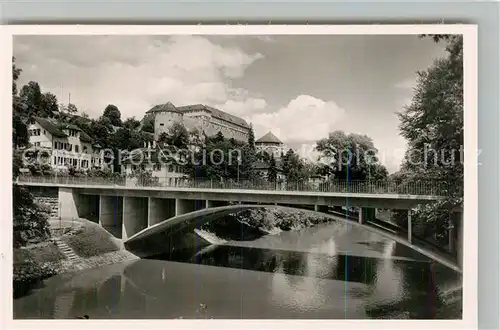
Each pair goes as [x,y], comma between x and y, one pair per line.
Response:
[129,209]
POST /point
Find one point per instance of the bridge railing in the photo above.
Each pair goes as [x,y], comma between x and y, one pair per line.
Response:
[428,188]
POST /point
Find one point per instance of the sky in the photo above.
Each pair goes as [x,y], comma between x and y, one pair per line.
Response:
[299,87]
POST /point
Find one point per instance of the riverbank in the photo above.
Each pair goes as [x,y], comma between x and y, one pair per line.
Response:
[75,245]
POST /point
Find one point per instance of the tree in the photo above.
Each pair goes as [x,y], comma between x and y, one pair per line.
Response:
[71,109]
[219,137]
[178,136]
[16,72]
[293,167]
[29,223]
[433,126]
[163,139]
[272,173]
[148,124]
[352,156]
[49,104]
[131,123]
[31,96]
[111,111]
[19,130]
[251,137]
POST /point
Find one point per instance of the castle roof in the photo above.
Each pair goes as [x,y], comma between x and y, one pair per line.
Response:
[269,138]
[164,107]
[216,113]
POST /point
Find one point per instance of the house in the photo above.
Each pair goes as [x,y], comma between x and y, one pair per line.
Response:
[263,169]
[66,144]
[169,170]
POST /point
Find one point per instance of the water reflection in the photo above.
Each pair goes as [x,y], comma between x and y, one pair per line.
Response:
[329,272]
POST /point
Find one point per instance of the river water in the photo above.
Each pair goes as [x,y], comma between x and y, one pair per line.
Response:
[329,271]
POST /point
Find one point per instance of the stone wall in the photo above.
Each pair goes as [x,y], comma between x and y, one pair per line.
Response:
[51,204]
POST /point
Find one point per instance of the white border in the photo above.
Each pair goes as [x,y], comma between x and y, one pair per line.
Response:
[470,263]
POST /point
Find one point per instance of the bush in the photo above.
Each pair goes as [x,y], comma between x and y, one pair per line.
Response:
[29,222]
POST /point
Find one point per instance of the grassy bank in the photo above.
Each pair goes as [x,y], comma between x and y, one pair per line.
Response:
[88,239]
[91,243]
[34,264]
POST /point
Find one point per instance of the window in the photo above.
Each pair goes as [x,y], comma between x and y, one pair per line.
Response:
[162,124]
[77,148]
[43,131]
[38,132]
[55,160]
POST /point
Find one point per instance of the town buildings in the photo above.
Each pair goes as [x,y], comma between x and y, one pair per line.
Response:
[66,144]
[202,118]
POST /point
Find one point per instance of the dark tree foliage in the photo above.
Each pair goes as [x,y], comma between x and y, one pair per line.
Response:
[272,173]
[433,126]
[113,114]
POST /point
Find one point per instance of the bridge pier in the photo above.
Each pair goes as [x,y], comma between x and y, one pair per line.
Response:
[68,201]
[111,214]
[135,215]
[183,206]
[160,209]
[321,208]
[210,203]
[88,207]
[366,214]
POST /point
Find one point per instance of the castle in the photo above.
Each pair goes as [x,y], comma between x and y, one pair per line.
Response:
[199,117]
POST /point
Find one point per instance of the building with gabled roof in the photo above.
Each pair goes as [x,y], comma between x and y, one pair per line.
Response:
[270,144]
[67,145]
[203,118]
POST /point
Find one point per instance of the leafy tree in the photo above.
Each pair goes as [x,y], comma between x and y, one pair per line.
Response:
[433,126]
[272,173]
[251,137]
[352,156]
[178,136]
[16,72]
[163,139]
[148,124]
[219,137]
[20,136]
[29,223]
[49,104]
[111,111]
[131,123]
[293,167]
[71,109]
[31,96]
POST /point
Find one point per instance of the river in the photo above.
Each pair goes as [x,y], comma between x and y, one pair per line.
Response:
[330,271]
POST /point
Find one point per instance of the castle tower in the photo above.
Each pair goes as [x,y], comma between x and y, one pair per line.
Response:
[164,117]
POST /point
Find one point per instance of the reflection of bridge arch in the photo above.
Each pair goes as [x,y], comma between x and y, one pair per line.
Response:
[187,221]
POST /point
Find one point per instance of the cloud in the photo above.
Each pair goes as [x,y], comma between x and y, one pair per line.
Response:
[304,118]
[135,73]
[406,84]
